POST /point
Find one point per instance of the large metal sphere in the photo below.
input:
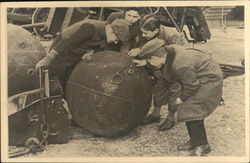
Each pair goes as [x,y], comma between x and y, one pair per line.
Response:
[24,51]
[107,94]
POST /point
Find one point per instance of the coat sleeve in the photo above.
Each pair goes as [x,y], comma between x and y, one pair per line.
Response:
[82,34]
[188,79]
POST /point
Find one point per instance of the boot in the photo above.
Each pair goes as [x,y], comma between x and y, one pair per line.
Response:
[185,147]
[201,150]
[169,123]
[151,119]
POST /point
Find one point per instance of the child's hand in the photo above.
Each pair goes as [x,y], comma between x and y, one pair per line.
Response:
[139,63]
[134,52]
[179,101]
[88,56]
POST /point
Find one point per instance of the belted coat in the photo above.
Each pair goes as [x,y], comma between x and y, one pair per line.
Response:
[197,79]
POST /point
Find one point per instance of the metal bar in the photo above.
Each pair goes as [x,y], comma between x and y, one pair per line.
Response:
[33,25]
[172,20]
[41,85]
[45,98]
[183,19]
[101,17]
[50,18]
[46,83]
[189,40]
[22,94]
[67,18]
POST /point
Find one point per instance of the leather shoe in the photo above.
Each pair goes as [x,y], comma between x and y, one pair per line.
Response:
[201,150]
[185,147]
[151,119]
[168,124]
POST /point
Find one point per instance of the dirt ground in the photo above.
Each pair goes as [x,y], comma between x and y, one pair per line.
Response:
[225,127]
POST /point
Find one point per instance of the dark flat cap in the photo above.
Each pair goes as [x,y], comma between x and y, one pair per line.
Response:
[121,29]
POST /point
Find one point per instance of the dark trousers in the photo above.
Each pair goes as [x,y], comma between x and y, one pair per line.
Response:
[197,132]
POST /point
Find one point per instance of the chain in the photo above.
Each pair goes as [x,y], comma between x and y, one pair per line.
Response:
[32,145]
[45,134]
[19,152]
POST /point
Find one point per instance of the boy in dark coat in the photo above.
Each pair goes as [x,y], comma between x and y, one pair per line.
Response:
[152,29]
[201,80]
[78,39]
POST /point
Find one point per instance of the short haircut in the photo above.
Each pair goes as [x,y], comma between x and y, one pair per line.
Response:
[151,24]
[138,9]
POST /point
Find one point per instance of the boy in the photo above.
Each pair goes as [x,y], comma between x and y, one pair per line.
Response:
[77,40]
[201,80]
[132,17]
[152,29]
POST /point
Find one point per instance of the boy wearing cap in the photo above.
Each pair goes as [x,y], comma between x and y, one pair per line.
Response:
[152,29]
[201,80]
[151,53]
[78,39]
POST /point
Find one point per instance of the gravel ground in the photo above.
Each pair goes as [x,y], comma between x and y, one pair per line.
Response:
[225,127]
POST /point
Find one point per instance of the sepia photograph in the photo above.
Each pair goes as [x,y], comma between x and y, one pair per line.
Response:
[102,81]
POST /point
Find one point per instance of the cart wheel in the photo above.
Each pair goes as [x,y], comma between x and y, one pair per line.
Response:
[12,12]
[25,11]
[152,10]
[40,15]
